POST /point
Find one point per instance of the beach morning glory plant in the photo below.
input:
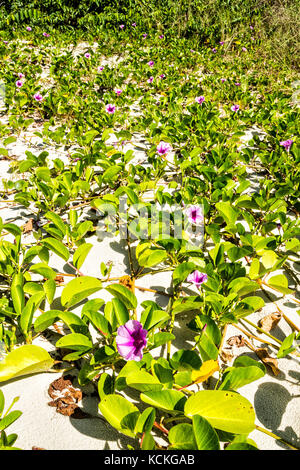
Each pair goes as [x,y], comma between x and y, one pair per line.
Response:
[131,340]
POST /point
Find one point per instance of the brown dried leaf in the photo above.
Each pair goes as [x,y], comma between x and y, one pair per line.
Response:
[226,356]
[28,227]
[268,360]
[127,282]
[66,398]
[269,321]
[237,340]
[59,279]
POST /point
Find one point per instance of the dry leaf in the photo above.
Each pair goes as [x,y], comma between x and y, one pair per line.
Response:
[270,321]
[66,398]
[237,340]
[268,360]
[127,282]
[59,279]
[226,356]
[28,227]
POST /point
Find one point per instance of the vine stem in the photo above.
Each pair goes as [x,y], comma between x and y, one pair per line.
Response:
[271,434]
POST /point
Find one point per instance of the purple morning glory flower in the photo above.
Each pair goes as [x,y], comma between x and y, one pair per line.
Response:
[244,49]
[214,50]
[38,97]
[134,25]
[161,36]
[162,76]
[131,340]
[46,35]
[122,26]
[237,84]
[100,69]
[194,214]
[110,108]
[199,99]
[19,83]
[150,63]
[221,43]
[223,80]
[118,91]
[87,55]
[197,278]
[163,148]
[5,42]
[20,75]
[235,108]
[251,27]
[28,28]
[150,80]
[287,144]
[145,35]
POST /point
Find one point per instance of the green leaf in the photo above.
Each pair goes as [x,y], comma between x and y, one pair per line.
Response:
[243,286]
[57,247]
[81,254]
[181,437]
[120,311]
[240,446]
[44,270]
[105,385]
[9,419]
[28,311]
[124,294]
[228,213]
[146,420]
[25,360]
[115,409]
[224,410]
[50,289]
[75,341]
[244,371]
[17,293]
[206,436]
[57,221]
[143,381]
[2,402]
[280,283]
[79,289]
[182,271]
[286,346]
[46,319]
[168,400]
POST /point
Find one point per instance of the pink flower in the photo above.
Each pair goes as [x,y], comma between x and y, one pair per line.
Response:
[214,50]
[194,214]
[221,43]
[163,148]
[161,36]
[235,108]
[19,83]
[199,99]
[118,91]
[237,84]
[46,35]
[38,97]
[28,28]
[287,144]
[110,108]
[87,55]
[20,75]
[134,25]
[151,63]
[100,69]
[223,80]
[122,26]
[131,340]
[244,49]
[162,76]
[197,278]
[150,80]
[145,35]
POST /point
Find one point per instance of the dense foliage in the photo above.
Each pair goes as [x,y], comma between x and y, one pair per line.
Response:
[197,97]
